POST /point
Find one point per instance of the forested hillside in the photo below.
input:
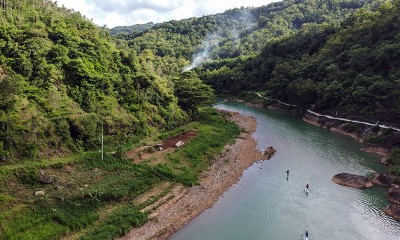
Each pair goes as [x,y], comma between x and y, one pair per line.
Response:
[64,81]
[62,78]
[134,29]
[350,69]
[235,34]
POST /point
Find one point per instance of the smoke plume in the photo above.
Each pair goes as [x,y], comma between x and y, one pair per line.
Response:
[211,42]
[211,45]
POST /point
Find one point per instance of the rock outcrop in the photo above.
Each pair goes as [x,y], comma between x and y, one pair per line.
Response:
[384,179]
[393,211]
[352,180]
[43,178]
[394,195]
[269,152]
[386,161]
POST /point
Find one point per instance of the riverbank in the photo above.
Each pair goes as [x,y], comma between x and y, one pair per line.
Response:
[187,203]
[358,133]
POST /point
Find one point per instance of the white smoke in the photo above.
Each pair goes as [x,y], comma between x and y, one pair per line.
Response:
[210,43]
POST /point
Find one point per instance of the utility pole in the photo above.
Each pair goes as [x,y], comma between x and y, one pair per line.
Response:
[102,141]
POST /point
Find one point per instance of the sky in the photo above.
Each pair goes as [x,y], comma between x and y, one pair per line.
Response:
[114,13]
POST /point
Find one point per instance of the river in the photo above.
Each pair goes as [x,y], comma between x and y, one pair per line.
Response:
[265,204]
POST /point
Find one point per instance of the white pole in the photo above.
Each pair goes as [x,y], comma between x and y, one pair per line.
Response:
[102,141]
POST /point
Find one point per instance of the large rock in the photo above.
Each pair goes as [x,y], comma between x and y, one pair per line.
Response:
[386,161]
[393,211]
[270,152]
[43,178]
[394,195]
[352,180]
[384,179]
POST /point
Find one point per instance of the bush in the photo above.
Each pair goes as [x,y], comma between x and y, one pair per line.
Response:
[29,176]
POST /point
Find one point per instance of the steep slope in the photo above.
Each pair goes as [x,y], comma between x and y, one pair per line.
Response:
[236,33]
[62,78]
[351,69]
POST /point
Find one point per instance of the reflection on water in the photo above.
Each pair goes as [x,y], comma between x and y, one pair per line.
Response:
[266,204]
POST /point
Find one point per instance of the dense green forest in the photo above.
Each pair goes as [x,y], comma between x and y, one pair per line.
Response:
[63,83]
[235,34]
[63,79]
[134,29]
[351,68]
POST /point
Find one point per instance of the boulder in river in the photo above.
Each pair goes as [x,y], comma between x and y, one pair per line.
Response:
[269,152]
[384,179]
[393,211]
[394,195]
[352,180]
[386,161]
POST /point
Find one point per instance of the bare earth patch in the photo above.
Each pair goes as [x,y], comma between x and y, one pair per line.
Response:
[183,204]
[141,153]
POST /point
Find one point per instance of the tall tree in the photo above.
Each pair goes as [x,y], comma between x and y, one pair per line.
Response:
[193,93]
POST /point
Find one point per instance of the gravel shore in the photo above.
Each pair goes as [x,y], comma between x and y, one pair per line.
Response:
[224,172]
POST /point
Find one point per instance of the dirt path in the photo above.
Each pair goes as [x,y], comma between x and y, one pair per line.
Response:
[187,203]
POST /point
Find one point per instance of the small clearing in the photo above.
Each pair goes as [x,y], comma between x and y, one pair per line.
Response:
[148,151]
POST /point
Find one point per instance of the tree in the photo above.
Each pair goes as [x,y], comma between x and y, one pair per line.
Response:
[192,93]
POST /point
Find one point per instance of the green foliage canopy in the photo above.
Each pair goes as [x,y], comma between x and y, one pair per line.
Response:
[193,93]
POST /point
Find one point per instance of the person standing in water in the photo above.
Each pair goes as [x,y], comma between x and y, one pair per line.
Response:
[306,234]
[287,173]
[307,186]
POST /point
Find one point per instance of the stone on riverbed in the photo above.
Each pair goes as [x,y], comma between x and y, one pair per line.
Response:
[269,152]
[384,179]
[393,211]
[352,180]
[394,195]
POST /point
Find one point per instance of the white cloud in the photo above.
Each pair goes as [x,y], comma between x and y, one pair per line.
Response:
[128,12]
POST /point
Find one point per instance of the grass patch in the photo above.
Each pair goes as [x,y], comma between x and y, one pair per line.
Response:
[118,223]
[214,133]
[85,184]
[31,225]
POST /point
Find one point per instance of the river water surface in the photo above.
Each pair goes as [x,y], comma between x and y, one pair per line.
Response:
[265,204]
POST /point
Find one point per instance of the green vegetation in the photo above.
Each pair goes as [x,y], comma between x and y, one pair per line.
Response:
[349,68]
[83,187]
[193,93]
[232,36]
[395,159]
[64,81]
[118,223]
[134,29]
[63,78]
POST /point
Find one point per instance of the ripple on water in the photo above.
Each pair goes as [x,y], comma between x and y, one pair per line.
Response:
[267,206]
[370,207]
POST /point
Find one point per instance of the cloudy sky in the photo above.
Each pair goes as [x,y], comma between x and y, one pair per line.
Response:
[128,12]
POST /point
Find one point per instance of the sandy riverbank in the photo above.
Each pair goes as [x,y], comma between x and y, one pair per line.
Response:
[188,203]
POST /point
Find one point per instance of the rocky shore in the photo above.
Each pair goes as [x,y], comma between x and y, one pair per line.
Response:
[224,172]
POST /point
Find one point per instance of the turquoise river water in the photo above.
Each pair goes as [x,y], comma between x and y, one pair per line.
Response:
[265,204]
